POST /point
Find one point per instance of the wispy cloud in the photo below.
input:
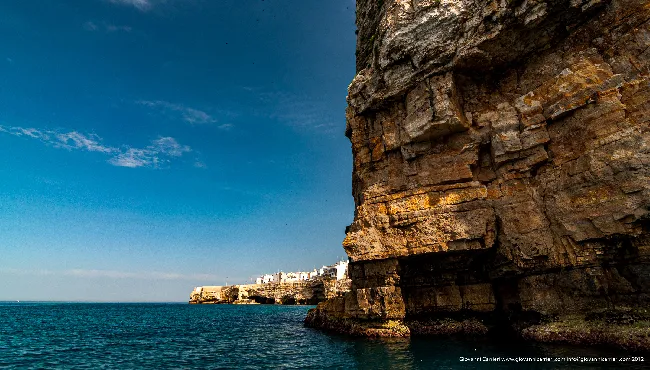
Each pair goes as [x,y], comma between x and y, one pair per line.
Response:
[134,158]
[90,26]
[151,156]
[142,5]
[196,116]
[170,147]
[115,28]
[74,140]
[146,6]
[137,275]
[159,151]
[9,60]
[105,27]
[187,114]
[226,126]
[301,112]
[112,274]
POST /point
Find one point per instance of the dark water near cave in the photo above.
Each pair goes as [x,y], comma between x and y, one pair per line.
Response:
[127,336]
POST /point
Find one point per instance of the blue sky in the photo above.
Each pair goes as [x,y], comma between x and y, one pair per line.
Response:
[149,146]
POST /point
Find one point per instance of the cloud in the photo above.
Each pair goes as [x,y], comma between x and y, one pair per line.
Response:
[134,158]
[196,116]
[114,28]
[9,60]
[112,274]
[75,140]
[142,5]
[226,126]
[147,5]
[301,112]
[151,156]
[189,115]
[31,132]
[90,26]
[106,27]
[159,151]
[169,146]
[69,140]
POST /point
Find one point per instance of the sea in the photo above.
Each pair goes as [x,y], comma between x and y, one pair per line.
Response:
[48,335]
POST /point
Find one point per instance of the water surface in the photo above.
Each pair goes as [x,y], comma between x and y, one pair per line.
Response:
[117,335]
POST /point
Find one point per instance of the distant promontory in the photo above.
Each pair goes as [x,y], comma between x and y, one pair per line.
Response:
[287,288]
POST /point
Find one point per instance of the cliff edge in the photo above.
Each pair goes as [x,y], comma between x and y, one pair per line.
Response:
[501,171]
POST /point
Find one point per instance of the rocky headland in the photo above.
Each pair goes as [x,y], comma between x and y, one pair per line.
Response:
[501,171]
[309,292]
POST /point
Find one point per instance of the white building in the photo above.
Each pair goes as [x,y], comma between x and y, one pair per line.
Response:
[291,277]
[336,271]
[279,277]
[341,270]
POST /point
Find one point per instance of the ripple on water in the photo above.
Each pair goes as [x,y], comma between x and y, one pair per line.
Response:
[96,336]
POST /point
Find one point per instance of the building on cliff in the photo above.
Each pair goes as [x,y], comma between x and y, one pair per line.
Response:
[265,279]
[501,169]
[285,288]
[338,271]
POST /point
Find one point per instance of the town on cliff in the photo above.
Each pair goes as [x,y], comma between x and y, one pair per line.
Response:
[302,287]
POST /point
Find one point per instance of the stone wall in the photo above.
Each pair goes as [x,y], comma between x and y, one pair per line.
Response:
[501,164]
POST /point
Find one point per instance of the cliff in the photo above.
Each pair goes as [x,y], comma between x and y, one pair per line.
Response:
[307,292]
[501,170]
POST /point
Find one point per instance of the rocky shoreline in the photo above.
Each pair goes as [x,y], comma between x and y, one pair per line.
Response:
[629,334]
[617,328]
[309,292]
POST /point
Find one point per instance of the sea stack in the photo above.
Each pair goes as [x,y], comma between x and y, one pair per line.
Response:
[501,171]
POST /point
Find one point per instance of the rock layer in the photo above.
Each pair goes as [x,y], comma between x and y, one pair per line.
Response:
[306,292]
[501,164]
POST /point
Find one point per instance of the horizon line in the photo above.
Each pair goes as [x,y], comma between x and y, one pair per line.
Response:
[79,301]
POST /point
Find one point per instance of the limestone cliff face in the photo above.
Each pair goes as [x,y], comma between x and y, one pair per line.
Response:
[501,159]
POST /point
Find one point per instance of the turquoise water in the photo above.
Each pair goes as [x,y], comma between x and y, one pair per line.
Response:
[126,336]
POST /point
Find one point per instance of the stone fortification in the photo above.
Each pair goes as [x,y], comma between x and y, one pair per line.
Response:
[501,170]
